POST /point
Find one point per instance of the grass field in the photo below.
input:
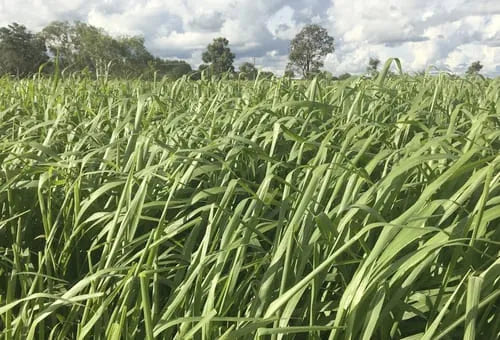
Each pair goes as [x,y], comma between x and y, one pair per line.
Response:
[274,209]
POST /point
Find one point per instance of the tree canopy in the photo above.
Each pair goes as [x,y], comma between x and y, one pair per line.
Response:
[474,68]
[172,69]
[308,49]
[344,76]
[79,46]
[248,71]
[219,56]
[266,75]
[21,51]
[373,64]
[289,73]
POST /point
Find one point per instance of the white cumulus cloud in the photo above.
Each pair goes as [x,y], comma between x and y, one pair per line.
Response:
[449,34]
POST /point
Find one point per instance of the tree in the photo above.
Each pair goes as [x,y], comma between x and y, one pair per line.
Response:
[219,56]
[308,49]
[289,73]
[344,76]
[79,46]
[205,68]
[21,51]
[266,75]
[474,68]
[248,71]
[325,75]
[373,64]
[61,41]
[134,57]
[97,50]
[172,69]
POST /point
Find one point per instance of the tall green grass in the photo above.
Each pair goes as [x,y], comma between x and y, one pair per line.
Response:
[250,210]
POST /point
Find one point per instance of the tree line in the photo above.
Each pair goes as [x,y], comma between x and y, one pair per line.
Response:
[80,47]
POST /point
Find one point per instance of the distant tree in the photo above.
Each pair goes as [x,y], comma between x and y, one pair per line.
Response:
[61,41]
[179,68]
[308,49]
[21,51]
[203,67]
[248,71]
[320,74]
[81,46]
[196,75]
[133,56]
[372,67]
[97,50]
[289,73]
[266,75]
[219,56]
[172,69]
[206,69]
[474,68]
[325,75]
[344,76]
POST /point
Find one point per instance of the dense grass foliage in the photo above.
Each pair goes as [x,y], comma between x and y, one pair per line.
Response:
[363,209]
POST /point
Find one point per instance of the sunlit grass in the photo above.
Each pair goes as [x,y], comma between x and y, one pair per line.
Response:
[362,209]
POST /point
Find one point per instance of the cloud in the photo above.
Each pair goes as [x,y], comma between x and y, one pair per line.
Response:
[449,34]
[419,32]
[210,21]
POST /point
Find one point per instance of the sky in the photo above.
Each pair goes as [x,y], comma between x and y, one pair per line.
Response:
[446,34]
